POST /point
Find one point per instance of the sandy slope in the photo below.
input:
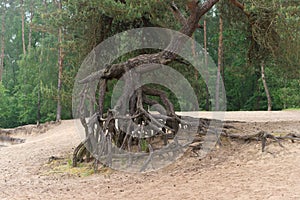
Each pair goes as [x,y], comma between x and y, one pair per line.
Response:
[235,171]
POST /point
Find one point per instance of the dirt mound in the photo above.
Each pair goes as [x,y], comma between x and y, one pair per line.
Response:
[7,140]
[11,136]
[28,129]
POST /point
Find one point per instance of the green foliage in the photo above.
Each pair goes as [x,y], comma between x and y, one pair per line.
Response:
[7,113]
[29,83]
[288,95]
[144,144]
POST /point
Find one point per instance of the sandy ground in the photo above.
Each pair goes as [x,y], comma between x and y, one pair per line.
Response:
[234,171]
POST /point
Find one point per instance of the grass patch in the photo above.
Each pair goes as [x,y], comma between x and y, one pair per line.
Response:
[64,167]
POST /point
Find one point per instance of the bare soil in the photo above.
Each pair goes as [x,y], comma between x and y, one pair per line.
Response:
[234,171]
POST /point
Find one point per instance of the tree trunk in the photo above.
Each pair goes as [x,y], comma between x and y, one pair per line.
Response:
[206,65]
[2,44]
[220,55]
[30,29]
[23,27]
[196,74]
[38,114]
[263,77]
[60,70]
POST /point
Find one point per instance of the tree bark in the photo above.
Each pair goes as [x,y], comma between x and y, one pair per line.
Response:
[263,77]
[38,114]
[30,28]
[2,44]
[206,64]
[240,6]
[196,74]
[220,56]
[60,69]
[23,27]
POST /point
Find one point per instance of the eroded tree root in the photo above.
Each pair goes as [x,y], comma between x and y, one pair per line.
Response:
[81,153]
[132,142]
[140,135]
[262,136]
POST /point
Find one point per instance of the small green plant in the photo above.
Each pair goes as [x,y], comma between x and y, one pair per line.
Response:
[144,144]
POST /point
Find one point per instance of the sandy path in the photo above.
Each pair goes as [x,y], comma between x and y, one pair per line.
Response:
[231,172]
[20,164]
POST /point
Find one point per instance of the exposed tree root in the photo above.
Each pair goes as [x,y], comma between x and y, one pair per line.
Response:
[76,156]
[264,137]
[141,143]
[261,136]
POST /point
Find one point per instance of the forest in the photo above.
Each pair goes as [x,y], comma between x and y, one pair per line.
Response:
[255,43]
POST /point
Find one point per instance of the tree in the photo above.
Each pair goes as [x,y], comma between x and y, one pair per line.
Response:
[23,26]
[220,59]
[3,28]
[266,86]
[60,65]
[206,62]
[138,99]
[31,13]
[256,42]
[261,28]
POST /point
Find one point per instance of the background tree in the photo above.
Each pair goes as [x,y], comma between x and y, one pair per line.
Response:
[3,29]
